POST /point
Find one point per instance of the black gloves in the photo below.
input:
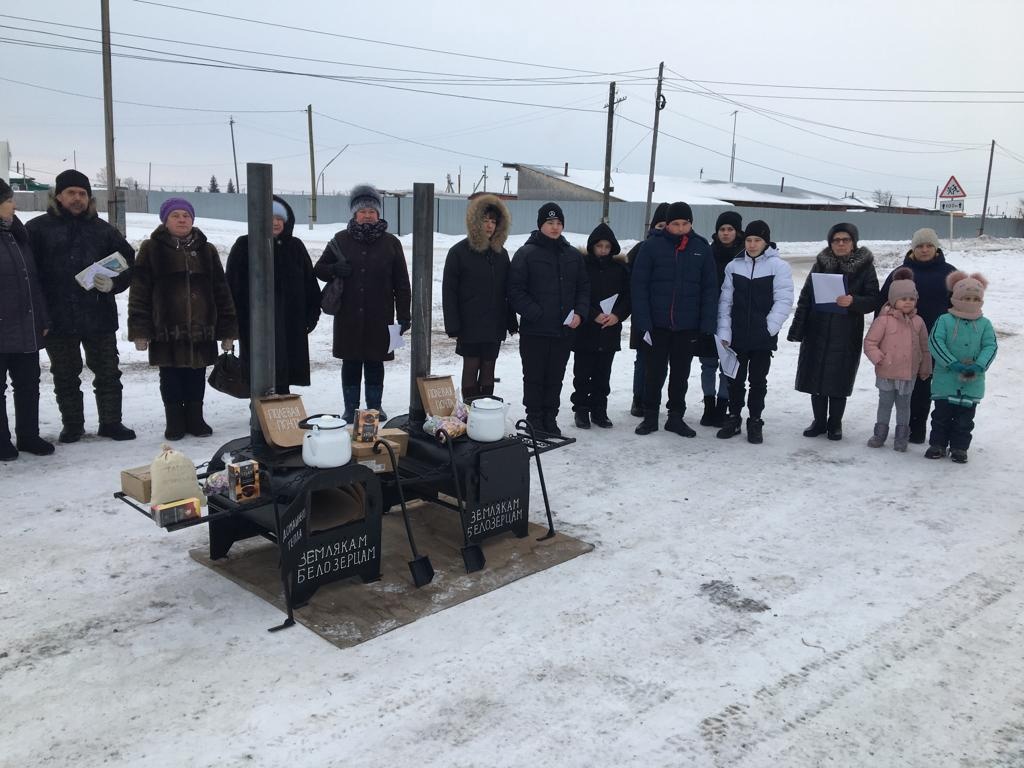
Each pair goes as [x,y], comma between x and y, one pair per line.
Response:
[342,269]
[404,326]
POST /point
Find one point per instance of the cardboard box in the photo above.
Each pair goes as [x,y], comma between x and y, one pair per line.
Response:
[437,394]
[279,417]
[176,511]
[243,480]
[363,454]
[137,483]
[395,435]
[366,426]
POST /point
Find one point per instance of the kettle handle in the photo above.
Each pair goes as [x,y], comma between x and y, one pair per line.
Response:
[304,424]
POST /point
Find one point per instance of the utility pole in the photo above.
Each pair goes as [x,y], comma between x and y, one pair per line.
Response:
[149,183]
[312,166]
[732,158]
[108,120]
[988,180]
[234,155]
[659,104]
[612,101]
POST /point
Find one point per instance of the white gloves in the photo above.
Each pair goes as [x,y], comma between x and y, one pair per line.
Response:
[103,284]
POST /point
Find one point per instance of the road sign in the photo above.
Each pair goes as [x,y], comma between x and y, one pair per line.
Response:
[953,188]
[951,205]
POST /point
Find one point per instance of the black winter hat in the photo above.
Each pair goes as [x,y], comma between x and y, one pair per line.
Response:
[760,229]
[659,214]
[72,178]
[732,218]
[844,227]
[6,193]
[603,232]
[549,211]
[679,211]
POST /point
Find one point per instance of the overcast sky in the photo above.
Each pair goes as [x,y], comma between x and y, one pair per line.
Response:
[719,57]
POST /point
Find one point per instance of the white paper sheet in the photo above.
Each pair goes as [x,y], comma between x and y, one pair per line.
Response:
[109,266]
[568,318]
[647,338]
[609,303]
[730,363]
[827,287]
[397,341]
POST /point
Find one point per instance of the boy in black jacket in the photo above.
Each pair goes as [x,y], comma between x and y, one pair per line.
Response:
[548,288]
[598,338]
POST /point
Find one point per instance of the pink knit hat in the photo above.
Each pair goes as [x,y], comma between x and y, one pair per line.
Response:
[902,286]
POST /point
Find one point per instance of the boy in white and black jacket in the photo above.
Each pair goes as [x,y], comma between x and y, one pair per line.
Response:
[757,296]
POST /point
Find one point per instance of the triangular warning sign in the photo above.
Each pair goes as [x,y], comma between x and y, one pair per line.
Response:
[952,189]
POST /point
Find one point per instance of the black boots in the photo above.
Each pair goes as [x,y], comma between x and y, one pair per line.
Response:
[730,427]
[115,431]
[194,422]
[707,419]
[71,433]
[582,419]
[637,408]
[754,431]
[834,428]
[600,419]
[649,424]
[350,394]
[174,414]
[676,424]
[551,423]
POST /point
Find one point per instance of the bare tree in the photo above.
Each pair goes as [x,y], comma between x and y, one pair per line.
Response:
[882,197]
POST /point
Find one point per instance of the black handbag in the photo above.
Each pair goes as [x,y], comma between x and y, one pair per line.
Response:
[330,297]
[228,376]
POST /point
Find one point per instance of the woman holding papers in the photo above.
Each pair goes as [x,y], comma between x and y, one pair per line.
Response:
[829,324]
[179,307]
[598,338]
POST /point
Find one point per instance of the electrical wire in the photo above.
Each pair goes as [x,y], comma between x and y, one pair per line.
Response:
[841,88]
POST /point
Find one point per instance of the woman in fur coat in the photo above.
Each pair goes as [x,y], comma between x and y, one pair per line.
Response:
[477,313]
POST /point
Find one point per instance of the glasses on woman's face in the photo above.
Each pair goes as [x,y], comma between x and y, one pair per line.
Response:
[842,239]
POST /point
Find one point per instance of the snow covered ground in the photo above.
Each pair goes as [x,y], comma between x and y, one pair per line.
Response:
[798,603]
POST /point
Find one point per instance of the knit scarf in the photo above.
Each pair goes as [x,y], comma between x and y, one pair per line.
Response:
[972,312]
[367,233]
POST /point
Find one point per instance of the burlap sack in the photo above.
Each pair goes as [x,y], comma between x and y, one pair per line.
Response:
[174,478]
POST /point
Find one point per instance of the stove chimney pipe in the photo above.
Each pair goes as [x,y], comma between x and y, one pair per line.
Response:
[422,285]
[259,177]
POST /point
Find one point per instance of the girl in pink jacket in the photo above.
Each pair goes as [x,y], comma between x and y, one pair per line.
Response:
[897,344]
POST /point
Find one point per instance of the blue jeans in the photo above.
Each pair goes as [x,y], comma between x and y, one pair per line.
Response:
[708,368]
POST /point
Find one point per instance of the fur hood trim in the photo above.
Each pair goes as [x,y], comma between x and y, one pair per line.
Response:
[860,258]
[478,241]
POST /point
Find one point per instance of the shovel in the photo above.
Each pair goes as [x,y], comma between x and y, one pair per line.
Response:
[472,555]
[420,568]
[524,424]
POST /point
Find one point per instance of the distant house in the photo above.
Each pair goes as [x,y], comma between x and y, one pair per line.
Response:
[542,183]
[23,183]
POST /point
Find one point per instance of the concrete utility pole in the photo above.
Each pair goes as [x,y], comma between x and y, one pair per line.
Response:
[312,167]
[108,120]
[422,283]
[612,101]
[988,181]
[659,104]
[234,155]
[732,158]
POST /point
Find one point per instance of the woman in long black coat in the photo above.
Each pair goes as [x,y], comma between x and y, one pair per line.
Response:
[371,262]
[296,299]
[831,341]
[477,312]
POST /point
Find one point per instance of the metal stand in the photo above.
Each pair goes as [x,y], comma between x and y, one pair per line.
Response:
[524,424]
[472,554]
[420,568]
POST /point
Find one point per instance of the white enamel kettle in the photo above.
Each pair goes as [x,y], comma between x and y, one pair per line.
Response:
[487,419]
[328,443]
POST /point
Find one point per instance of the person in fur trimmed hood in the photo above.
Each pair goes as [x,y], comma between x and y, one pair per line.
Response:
[477,312]
[963,344]
[830,341]
[897,345]
[599,336]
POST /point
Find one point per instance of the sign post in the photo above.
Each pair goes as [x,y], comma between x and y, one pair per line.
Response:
[953,195]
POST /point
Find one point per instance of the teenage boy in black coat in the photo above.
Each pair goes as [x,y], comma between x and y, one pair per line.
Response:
[598,338]
[549,289]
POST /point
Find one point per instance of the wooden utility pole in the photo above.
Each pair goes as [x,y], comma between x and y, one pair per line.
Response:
[312,167]
[608,153]
[988,181]
[108,120]
[659,104]
[732,157]
[234,155]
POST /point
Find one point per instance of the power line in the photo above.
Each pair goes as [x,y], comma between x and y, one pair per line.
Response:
[857,99]
[841,88]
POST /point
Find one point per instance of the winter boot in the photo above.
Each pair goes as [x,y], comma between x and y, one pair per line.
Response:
[650,422]
[71,433]
[676,424]
[115,431]
[900,439]
[350,394]
[834,428]
[918,427]
[754,434]
[582,419]
[175,416]
[537,422]
[374,394]
[194,422]
[471,393]
[816,428]
[35,445]
[958,455]
[707,419]
[7,450]
[730,427]
[551,423]
[600,419]
[935,452]
[637,408]
[877,440]
[721,411]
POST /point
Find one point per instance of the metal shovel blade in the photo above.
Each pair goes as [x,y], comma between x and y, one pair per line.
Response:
[473,557]
[422,571]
